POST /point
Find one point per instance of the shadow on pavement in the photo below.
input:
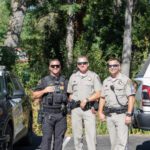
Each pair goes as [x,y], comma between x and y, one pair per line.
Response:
[144,146]
[35,145]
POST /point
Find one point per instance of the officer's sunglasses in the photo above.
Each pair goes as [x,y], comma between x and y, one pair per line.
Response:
[55,66]
[113,66]
[82,63]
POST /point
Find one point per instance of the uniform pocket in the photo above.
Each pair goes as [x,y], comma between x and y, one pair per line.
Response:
[106,91]
[88,86]
[74,85]
[58,98]
[119,91]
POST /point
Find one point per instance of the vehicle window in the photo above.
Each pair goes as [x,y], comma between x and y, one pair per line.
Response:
[16,84]
[9,85]
[144,68]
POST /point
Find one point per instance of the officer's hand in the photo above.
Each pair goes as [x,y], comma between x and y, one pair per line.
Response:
[128,120]
[49,89]
[102,117]
[93,110]
[83,103]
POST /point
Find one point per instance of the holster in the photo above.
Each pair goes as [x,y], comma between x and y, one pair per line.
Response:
[72,105]
[40,116]
[89,105]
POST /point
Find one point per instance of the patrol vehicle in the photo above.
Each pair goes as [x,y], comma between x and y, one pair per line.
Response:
[142,111]
[15,111]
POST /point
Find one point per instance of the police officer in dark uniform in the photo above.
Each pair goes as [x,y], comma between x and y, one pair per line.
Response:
[52,92]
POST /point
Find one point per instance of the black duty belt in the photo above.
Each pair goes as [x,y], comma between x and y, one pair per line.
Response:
[117,110]
[51,110]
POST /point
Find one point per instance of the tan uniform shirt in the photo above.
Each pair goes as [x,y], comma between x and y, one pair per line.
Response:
[123,88]
[82,86]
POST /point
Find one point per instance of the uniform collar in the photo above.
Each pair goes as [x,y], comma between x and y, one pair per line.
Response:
[54,77]
[114,79]
[82,75]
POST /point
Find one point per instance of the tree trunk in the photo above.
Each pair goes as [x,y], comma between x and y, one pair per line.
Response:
[16,22]
[70,39]
[127,41]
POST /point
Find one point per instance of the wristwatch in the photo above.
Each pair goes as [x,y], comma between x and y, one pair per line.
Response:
[129,114]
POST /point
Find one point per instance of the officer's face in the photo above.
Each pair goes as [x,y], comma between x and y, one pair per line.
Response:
[55,68]
[114,67]
[82,64]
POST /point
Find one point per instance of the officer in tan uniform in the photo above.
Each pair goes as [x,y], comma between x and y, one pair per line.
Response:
[84,86]
[116,103]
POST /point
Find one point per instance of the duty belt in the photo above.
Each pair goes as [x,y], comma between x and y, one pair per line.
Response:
[51,110]
[117,110]
[75,104]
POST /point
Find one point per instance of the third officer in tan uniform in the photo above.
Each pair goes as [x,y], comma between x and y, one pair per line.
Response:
[117,101]
[84,88]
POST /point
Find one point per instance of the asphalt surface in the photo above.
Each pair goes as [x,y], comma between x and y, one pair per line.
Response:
[136,142]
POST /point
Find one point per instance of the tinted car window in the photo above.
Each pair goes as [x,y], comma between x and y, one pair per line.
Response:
[17,86]
[143,69]
[9,85]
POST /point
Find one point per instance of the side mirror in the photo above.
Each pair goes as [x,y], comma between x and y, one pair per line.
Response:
[18,93]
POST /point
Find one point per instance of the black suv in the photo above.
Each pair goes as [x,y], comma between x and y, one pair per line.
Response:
[15,111]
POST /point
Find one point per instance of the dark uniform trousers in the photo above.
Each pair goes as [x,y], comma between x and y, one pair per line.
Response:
[53,124]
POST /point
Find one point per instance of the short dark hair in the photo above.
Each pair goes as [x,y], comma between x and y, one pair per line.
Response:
[114,59]
[55,59]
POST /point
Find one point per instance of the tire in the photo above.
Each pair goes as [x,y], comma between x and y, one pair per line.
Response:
[9,131]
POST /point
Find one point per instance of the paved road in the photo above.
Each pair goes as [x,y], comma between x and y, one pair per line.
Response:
[136,142]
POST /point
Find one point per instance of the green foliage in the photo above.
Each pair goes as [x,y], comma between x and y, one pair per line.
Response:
[4,18]
[141,35]
[71,9]
[43,38]
[7,57]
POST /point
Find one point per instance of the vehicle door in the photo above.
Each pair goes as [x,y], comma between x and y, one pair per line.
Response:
[16,102]
[26,106]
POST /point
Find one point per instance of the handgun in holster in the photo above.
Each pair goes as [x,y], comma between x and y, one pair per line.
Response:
[94,104]
[72,105]
[107,111]
[40,116]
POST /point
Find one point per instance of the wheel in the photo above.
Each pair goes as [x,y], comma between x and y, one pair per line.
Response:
[9,132]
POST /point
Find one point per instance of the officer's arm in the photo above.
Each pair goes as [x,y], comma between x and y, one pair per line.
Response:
[94,96]
[70,97]
[101,108]
[39,94]
[131,101]
[101,105]
[130,92]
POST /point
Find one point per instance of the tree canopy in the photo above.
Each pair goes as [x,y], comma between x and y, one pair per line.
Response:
[98,33]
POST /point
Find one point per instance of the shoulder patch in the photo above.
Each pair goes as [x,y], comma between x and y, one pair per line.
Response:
[130,84]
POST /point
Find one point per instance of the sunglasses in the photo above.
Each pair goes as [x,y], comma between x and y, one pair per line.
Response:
[113,66]
[82,63]
[55,66]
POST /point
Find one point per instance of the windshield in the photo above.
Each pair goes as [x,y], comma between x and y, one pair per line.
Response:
[143,68]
